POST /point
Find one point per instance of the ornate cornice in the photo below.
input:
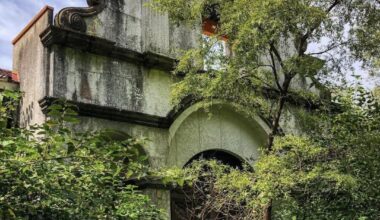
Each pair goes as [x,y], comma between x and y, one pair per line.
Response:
[61,36]
[73,17]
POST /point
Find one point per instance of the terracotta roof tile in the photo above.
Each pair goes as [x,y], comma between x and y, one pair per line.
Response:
[9,75]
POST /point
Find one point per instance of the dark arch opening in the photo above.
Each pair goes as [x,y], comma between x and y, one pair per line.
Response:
[221,156]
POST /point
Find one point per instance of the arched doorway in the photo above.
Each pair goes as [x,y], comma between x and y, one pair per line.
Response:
[184,201]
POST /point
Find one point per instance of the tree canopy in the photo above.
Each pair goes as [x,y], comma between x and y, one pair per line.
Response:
[274,44]
[329,170]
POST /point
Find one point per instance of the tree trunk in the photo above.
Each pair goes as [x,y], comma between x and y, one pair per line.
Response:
[276,123]
[268,211]
[278,113]
[274,132]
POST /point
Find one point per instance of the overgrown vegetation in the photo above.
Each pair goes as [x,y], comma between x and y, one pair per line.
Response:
[54,172]
[329,171]
[219,191]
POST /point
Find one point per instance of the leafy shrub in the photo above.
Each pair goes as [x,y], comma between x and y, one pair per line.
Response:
[52,171]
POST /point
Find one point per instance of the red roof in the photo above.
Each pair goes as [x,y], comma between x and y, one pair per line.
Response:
[9,75]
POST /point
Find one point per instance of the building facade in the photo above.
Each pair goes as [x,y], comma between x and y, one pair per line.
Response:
[114,60]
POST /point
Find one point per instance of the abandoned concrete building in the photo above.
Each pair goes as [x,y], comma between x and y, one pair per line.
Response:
[114,60]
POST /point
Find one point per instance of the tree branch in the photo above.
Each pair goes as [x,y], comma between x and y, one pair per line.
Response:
[277,54]
[274,70]
[254,76]
[328,49]
[311,30]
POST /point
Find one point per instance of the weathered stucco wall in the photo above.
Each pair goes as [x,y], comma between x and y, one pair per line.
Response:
[110,82]
[294,119]
[193,132]
[161,198]
[132,25]
[30,61]
[5,85]
[119,83]
[162,36]
[64,72]
[156,145]
[119,22]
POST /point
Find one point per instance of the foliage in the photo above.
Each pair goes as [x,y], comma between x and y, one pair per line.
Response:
[352,137]
[9,103]
[331,171]
[366,37]
[271,49]
[52,171]
[305,181]
[209,192]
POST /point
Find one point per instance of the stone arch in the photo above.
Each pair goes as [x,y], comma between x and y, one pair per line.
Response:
[219,128]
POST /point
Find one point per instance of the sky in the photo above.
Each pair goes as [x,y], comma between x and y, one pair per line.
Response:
[16,14]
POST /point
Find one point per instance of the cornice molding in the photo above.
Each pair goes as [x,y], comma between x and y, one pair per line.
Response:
[72,18]
[65,37]
[113,114]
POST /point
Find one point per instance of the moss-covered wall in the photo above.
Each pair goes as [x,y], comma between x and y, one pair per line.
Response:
[132,25]
[104,81]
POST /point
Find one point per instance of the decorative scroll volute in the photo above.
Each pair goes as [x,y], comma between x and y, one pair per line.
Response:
[73,17]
